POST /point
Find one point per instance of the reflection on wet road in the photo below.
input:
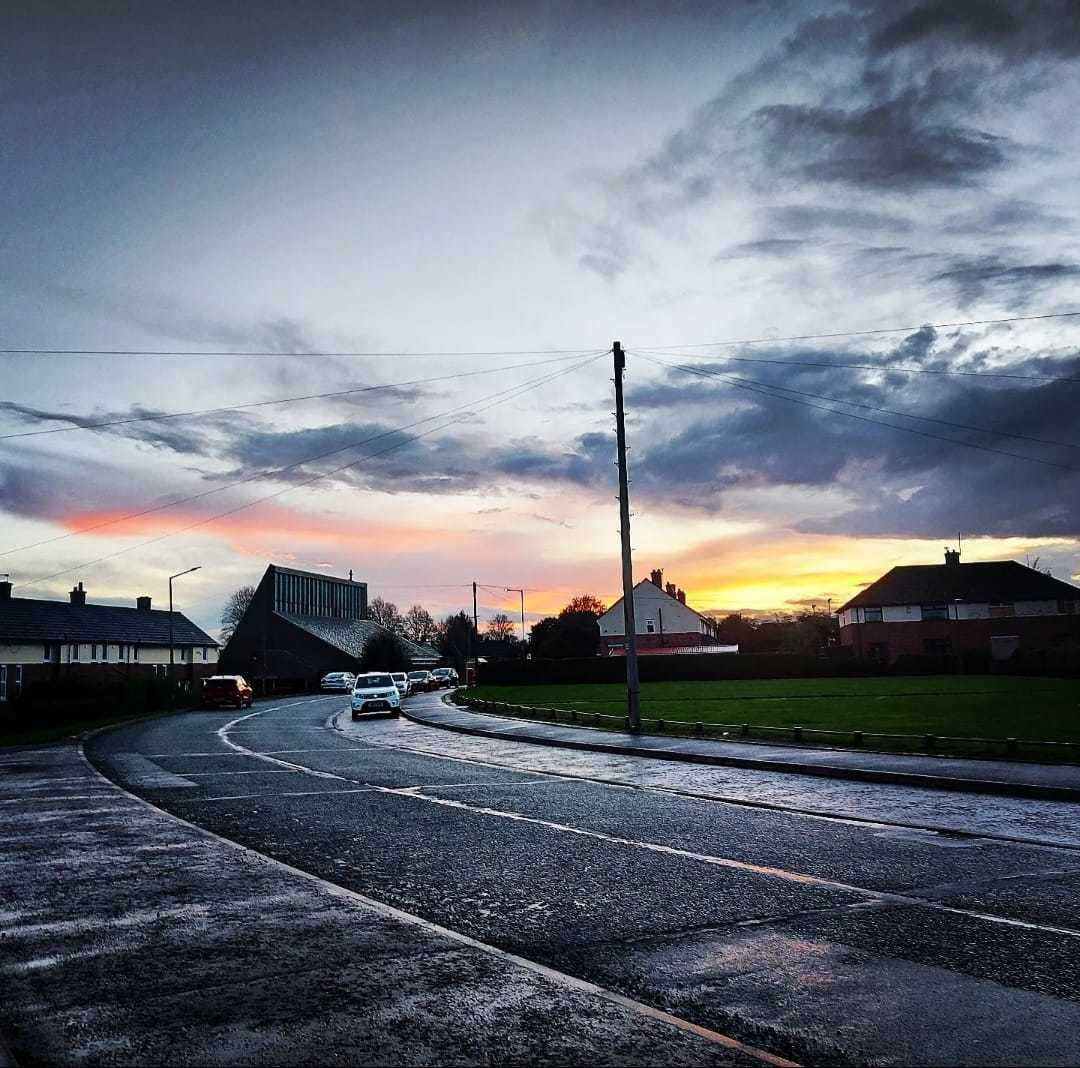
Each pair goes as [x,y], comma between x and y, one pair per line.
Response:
[851,937]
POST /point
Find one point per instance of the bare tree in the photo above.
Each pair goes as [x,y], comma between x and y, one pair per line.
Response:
[500,627]
[385,613]
[234,610]
[417,625]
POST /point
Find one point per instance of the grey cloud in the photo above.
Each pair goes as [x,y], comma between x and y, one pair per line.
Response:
[971,280]
[1011,215]
[892,144]
[812,217]
[770,246]
[1015,28]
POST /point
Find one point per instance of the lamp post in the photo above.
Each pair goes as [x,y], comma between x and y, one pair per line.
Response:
[512,589]
[172,675]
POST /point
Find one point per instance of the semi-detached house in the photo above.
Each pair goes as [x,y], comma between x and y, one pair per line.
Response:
[994,609]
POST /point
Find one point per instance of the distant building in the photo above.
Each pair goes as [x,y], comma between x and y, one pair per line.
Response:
[994,609]
[96,643]
[663,621]
[301,625]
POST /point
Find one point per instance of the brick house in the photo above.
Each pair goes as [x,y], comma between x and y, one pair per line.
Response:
[301,625]
[97,644]
[994,609]
[663,621]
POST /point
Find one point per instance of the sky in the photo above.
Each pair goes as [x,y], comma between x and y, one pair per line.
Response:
[532,182]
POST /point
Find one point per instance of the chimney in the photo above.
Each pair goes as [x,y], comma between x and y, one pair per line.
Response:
[681,596]
[669,589]
[5,588]
[952,557]
[142,604]
[657,577]
[78,595]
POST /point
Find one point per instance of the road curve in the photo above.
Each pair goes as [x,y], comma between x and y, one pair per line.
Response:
[818,940]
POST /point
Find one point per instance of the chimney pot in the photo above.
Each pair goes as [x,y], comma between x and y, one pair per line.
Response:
[681,595]
[952,557]
[5,589]
[657,577]
[669,588]
[142,604]
[78,594]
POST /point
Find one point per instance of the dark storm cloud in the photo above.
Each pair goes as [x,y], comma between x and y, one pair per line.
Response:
[1014,284]
[1015,28]
[893,144]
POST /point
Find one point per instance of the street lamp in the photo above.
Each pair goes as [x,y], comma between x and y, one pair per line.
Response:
[172,675]
[512,589]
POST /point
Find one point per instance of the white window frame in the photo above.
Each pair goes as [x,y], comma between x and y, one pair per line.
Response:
[73,654]
[650,626]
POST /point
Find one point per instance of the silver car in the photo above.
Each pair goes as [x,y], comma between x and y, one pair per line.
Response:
[337,681]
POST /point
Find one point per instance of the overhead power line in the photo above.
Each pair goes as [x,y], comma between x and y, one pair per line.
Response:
[882,368]
[492,401]
[768,391]
[271,354]
[161,417]
[258,476]
[996,431]
[866,333]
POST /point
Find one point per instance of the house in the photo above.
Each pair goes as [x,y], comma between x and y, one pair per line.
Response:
[995,609]
[663,622]
[95,643]
[300,625]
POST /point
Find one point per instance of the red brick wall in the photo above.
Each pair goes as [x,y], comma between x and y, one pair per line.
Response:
[653,641]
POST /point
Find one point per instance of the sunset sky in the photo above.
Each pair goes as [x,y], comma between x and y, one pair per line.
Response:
[533,181]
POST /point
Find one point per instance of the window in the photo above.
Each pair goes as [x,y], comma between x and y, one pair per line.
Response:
[75,651]
[878,652]
[937,646]
[121,652]
[135,653]
[204,651]
[47,655]
[3,682]
[935,611]
[872,615]
[93,652]
[650,626]
[1002,608]
[18,679]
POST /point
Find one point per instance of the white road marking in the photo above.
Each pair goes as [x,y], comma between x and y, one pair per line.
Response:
[561,978]
[726,862]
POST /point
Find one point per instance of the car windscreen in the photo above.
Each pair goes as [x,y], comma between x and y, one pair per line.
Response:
[367,682]
[417,674]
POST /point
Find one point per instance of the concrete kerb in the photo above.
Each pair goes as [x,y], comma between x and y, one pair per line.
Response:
[895,778]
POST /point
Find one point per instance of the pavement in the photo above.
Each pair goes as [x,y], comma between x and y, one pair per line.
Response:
[312,890]
[1002,777]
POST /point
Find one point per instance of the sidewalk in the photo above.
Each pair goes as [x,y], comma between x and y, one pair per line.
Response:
[1060,782]
[131,937]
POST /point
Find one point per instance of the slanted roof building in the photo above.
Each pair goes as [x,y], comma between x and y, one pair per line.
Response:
[998,609]
[301,625]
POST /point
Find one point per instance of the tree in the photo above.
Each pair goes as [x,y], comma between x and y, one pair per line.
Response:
[500,627]
[384,651]
[570,634]
[385,613]
[584,603]
[454,636]
[234,610]
[417,625]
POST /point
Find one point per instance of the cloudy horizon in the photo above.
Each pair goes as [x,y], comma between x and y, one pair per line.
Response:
[537,182]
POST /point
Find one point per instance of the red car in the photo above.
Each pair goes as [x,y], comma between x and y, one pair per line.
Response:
[227,690]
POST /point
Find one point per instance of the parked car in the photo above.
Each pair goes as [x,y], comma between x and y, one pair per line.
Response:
[422,681]
[227,690]
[375,692]
[341,681]
[445,676]
[401,681]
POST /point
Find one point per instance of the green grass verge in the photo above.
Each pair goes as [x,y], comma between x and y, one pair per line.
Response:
[55,732]
[956,706]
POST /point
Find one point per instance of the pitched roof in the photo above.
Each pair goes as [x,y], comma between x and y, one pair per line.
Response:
[998,581]
[659,589]
[25,619]
[352,635]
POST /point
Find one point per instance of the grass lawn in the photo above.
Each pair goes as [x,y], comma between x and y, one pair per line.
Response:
[54,732]
[959,706]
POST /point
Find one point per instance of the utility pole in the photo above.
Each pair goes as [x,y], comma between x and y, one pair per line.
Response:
[511,589]
[474,637]
[633,687]
[172,664]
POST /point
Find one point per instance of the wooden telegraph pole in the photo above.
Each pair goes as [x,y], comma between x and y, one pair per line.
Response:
[633,687]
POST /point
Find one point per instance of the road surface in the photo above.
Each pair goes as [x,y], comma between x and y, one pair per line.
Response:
[846,939]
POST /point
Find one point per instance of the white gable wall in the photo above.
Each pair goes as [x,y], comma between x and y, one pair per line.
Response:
[650,603]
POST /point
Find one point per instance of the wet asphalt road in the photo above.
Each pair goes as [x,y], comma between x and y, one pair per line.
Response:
[823,940]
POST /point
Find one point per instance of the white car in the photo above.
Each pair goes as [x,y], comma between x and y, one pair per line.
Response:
[376,692]
[401,681]
[337,680]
